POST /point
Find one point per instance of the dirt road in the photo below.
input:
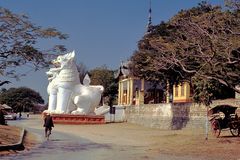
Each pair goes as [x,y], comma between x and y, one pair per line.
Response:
[127,141]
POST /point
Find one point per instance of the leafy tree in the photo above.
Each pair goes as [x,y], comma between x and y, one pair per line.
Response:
[105,77]
[200,45]
[18,38]
[233,4]
[20,99]
[3,90]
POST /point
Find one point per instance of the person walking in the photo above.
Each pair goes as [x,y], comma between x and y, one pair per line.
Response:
[20,115]
[48,124]
[2,119]
[27,115]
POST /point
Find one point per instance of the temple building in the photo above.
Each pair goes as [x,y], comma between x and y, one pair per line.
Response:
[182,93]
[135,91]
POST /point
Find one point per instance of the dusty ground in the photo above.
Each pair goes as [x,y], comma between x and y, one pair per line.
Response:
[8,135]
[11,135]
[189,143]
[30,140]
[180,143]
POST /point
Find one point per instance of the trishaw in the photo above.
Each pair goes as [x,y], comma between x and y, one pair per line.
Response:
[224,117]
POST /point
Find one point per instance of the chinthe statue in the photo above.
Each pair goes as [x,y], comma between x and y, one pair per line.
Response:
[66,93]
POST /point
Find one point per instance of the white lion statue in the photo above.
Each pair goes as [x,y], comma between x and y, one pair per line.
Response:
[66,93]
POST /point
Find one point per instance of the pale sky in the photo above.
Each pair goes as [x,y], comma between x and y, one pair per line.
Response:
[102,32]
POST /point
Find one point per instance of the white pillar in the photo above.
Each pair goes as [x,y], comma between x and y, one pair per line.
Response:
[63,97]
[52,102]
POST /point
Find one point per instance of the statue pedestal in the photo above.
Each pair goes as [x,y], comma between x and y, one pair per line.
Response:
[77,119]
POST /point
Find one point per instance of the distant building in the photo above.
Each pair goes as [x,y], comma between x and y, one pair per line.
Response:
[182,93]
[135,91]
[5,106]
[39,108]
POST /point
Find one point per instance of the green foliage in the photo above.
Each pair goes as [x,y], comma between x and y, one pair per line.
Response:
[207,90]
[233,4]
[20,99]
[105,77]
[199,45]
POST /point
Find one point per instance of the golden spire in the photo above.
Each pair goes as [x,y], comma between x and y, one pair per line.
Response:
[149,25]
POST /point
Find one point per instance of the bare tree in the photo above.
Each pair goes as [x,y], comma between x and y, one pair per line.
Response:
[18,38]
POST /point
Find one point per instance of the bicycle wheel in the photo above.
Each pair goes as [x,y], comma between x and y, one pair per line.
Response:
[234,129]
[216,129]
